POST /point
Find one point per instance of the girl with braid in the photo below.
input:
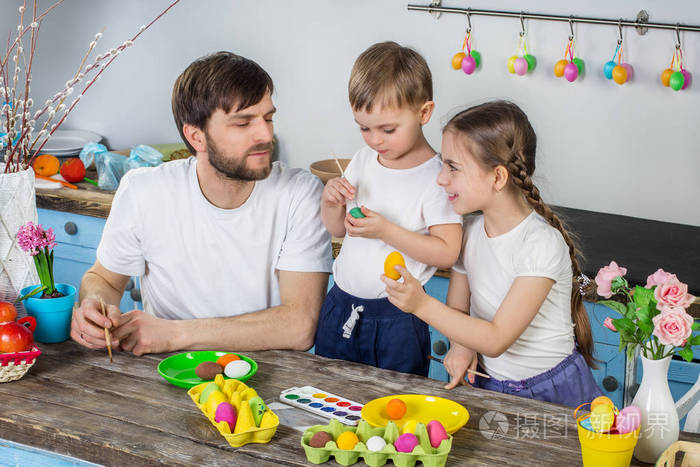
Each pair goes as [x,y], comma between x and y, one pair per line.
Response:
[512,308]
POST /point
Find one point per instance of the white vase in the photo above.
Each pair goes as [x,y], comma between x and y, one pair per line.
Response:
[17,207]
[659,417]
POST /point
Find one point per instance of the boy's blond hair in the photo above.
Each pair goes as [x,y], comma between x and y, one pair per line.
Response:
[389,75]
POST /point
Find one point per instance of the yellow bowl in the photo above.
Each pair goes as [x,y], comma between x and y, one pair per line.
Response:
[327,168]
[419,407]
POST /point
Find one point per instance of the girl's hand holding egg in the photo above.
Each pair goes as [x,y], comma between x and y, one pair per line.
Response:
[373,225]
[408,295]
[337,191]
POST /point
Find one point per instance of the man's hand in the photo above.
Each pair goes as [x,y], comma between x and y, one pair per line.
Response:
[408,295]
[373,225]
[88,324]
[142,333]
[457,361]
[337,191]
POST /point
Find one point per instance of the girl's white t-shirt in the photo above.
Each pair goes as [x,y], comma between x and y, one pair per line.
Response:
[410,198]
[197,260]
[532,248]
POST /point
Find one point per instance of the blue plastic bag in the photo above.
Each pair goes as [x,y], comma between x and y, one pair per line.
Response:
[111,167]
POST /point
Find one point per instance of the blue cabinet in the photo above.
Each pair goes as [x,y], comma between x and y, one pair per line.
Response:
[610,375]
[77,238]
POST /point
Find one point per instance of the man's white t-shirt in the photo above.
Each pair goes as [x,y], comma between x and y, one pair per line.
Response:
[532,248]
[197,260]
[410,198]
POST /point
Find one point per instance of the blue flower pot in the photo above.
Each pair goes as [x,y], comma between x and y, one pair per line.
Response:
[53,315]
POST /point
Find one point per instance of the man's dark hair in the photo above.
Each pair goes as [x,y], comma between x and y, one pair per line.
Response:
[222,80]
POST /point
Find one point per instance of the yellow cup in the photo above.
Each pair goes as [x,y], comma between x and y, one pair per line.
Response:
[606,450]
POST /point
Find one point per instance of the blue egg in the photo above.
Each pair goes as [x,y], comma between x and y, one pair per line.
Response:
[586,423]
[608,68]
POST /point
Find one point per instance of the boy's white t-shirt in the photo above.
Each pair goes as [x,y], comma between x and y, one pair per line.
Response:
[197,260]
[410,198]
[532,248]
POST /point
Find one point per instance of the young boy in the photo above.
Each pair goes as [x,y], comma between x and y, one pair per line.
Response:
[393,181]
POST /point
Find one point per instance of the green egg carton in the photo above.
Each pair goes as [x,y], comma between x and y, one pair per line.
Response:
[424,452]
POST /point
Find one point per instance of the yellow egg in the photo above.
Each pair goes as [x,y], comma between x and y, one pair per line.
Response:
[457,60]
[602,418]
[601,400]
[394,258]
[347,440]
[214,399]
[409,427]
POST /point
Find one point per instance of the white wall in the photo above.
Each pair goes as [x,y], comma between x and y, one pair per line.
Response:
[629,149]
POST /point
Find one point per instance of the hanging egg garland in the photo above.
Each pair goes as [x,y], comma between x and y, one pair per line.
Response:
[468,62]
[571,67]
[676,76]
[619,71]
[523,62]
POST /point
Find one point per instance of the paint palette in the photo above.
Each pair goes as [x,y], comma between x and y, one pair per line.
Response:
[323,403]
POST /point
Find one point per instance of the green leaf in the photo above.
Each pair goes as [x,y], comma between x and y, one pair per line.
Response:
[694,340]
[686,353]
[618,284]
[631,310]
[696,326]
[617,306]
[642,296]
[38,289]
[625,326]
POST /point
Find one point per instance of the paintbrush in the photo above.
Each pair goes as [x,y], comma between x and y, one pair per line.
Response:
[109,344]
[355,212]
[469,370]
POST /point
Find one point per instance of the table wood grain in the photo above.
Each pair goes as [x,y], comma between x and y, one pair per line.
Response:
[75,402]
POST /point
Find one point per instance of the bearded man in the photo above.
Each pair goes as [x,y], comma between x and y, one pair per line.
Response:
[229,246]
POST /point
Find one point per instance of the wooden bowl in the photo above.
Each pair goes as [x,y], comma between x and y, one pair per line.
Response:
[327,168]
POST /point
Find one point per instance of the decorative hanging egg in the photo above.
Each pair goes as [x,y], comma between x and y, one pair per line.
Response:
[608,69]
[476,56]
[688,78]
[630,70]
[571,72]
[468,64]
[559,68]
[511,63]
[579,64]
[666,76]
[619,74]
[520,66]
[677,81]
[531,62]
[457,60]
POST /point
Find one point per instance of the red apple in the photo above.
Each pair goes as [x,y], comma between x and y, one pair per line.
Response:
[7,312]
[15,337]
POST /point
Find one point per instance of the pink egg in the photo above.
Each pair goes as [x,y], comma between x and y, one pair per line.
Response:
[468,64]
[225,412]
[520,66]
[406,442]
[436,432]
[688,78]
[628,419]
[630,70]
[571,72]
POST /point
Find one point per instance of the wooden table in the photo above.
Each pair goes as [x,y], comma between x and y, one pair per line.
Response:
[74,402]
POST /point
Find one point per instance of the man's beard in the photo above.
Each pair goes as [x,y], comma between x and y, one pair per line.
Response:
[237,170]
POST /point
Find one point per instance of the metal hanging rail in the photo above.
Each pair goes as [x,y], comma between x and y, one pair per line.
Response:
[641,23]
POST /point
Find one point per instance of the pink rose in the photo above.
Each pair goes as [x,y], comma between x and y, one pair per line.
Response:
[609,324]
[673,326]
[605,277]
[658,278]
[673,293]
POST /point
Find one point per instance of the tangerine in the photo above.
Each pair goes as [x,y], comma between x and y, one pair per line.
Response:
[7,312]
[73,170]
[226,359]
[46,165]
[395,409]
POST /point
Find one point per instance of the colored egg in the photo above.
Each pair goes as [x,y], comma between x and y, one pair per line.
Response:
[319,439]
[579,64]
[666,76]
[237,369]
[531,62]
[468,64]
[409,427]
[257,405]
[619,74]
[630,70]
[586,423]
[602,418]
[393,259]
[559,68]
[511,63]
[375,443]
[208,370]
[436,433]
[395,409]
[476,56]
[347,440]
[406,442]
[457,60]
[628,419]
[213,401]
[601,400]
[357,212]
[571,72]
[225,412]
[208,389]
[688,78]
[226,359]
[677,80]
[608,69]
[520,66]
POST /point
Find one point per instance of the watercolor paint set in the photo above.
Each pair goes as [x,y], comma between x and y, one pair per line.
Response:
[323,403]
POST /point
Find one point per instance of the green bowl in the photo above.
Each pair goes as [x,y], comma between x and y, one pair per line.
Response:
[179,369]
